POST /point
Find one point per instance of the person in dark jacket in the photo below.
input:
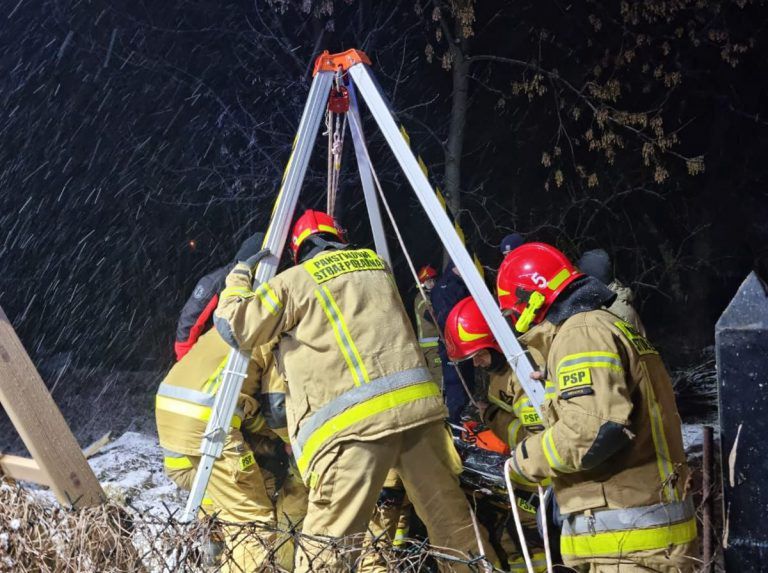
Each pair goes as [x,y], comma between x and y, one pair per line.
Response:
[197,315]
[448,290]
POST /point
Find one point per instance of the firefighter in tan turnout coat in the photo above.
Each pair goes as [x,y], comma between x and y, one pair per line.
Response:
[360,399]
[612,445]
[236,489]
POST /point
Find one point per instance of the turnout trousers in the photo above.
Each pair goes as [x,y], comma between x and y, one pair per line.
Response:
[350,479]
[237,493]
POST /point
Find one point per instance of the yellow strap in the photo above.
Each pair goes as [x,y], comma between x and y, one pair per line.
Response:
[360,412]
[623,542]
[182,408]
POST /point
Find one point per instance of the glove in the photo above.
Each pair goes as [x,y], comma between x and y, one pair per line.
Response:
[254,260]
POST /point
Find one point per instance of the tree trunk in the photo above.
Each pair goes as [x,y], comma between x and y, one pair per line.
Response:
[455,144]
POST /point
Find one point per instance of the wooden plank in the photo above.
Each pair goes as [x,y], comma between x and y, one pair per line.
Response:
[41,426]
[24,469]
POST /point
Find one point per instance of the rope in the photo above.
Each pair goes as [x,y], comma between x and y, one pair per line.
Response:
[545,527]
[411,266]
[516,515]
[335,129]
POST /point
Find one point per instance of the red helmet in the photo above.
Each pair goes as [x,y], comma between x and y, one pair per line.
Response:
[312,223]
[466,331]
[426,272]
[530,279]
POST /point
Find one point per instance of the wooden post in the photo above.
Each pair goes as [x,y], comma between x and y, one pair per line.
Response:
[41,426]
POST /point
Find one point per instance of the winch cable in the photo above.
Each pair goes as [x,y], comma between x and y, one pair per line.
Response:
[336,127]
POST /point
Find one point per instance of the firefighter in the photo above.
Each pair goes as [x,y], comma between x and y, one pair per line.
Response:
[236,489]
[196,316]
[510,414]
[597,263]
[426,329]
[613,446]
[361,400]
[449,289]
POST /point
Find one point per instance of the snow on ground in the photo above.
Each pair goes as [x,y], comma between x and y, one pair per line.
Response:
[130,470]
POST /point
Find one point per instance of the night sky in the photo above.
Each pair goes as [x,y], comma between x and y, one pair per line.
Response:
[142,142]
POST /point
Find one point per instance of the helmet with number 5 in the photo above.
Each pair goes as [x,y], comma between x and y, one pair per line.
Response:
[530,279]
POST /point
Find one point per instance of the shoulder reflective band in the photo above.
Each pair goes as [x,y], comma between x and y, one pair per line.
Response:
[628,541]
[357,404]
[343,338]
[590,360]
[187,394]
[268,298]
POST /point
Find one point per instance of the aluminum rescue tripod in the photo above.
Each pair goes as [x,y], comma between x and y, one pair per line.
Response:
[353,66]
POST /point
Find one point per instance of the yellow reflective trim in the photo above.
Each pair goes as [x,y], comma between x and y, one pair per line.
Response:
[623,542]
[328,229]
[304,234]
[207,501]
[360,412]
[337,336]
[255,424]
[239,291]
[500,403]
[554,459]
[559,279]
[357,358]
[405,135]
[440,198]
[214,380]
[182,408]
[269,298]
[513,431]
[663,456]
[580,359]
[594,364]
[423,166]
[459,232]
[428,344]
[182,463]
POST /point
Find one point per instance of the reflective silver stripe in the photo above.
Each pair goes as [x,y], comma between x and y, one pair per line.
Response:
[186,394]
[358,395]
[189,395]
[170,454]
[428,339]
[644,517]
[607,357]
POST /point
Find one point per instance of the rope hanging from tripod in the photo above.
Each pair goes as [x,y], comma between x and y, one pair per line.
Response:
[336,126]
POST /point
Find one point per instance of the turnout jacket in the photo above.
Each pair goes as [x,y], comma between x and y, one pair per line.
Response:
[510,415]
[613,437]
[184,398]
[352,363]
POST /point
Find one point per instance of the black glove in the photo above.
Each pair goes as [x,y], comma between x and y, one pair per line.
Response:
[253,260]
